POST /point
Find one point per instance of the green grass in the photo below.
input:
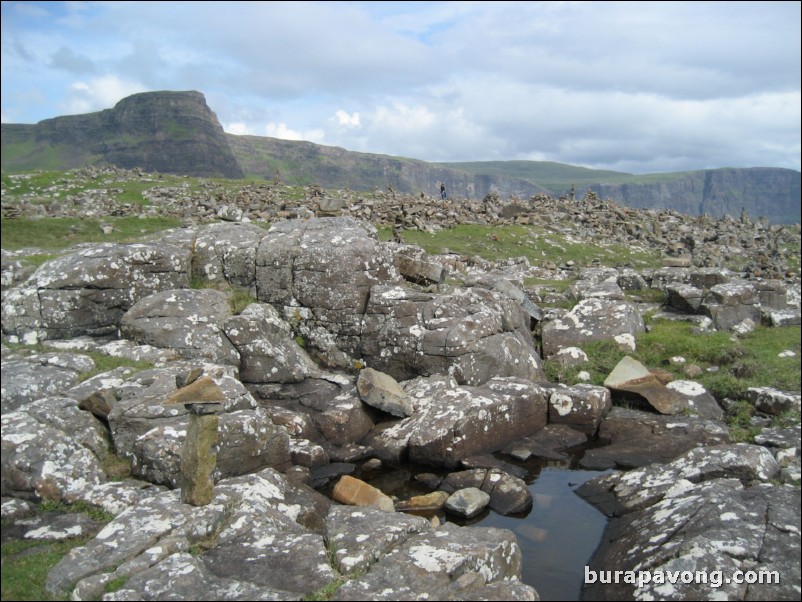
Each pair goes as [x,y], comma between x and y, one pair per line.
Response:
[26,565]
[750,361]
[497,243]
[78,507]
[57,233]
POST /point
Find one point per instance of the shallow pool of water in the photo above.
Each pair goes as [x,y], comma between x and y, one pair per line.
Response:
[557,537]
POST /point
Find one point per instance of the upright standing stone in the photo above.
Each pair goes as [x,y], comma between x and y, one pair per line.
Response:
[199,455]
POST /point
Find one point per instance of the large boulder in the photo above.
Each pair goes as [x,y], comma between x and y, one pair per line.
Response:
[320,271]
[712,512]
[188,321]
[226,253]
[590,320]
[268,352]
[88,291]
[451,422]
[731,303]
[27,378]
[472,334]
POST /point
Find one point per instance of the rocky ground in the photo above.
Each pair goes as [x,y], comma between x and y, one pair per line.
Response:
[357,353]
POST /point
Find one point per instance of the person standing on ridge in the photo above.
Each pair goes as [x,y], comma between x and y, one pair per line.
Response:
[442,190]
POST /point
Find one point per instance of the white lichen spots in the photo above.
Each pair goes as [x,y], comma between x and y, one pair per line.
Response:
[435,560]
[687,387]
[361,538]
[561,402]
[727,516]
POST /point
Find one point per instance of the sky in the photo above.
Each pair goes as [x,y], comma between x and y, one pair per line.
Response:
[639,87]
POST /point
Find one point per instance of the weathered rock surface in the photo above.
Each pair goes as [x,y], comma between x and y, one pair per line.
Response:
[632,376]
[772,401]
[508,494]
[88,291]
[590,320]
[451,422]
[467,502]
[189,321]
[382,391]
[28,378]
[581,407]
[640,438]
[714,510]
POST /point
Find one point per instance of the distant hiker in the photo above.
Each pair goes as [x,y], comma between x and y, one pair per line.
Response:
[442,191]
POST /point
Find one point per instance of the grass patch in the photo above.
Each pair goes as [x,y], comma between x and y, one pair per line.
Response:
[498,243]
[115,584]
[26,565]
[57,233]
[327,591]
[78,507]
[106,363]
[749,361]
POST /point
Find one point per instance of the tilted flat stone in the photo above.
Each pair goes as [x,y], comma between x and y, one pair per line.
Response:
[632,376]
[355,492]
[467,502]
[382,391]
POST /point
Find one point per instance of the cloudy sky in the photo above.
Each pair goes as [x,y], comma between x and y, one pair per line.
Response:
[630,86]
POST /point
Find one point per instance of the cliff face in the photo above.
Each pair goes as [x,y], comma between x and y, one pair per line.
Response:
[760,191]
[170,132]
[176,132]
[334,167]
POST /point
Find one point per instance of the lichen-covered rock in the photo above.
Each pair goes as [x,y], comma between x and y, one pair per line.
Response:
[268,351]
[28,378]
[42,460]
[88,291]
[452,422]
[467,502]
[508,494]
[772,401]
[226,253]
[639,438]
[590,320]
[458,562]
[382,391]
[731,303]
[581,407]
[188,321]
[472,334]
[713,510]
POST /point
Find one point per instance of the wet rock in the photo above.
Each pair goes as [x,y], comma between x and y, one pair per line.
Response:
[382,391]
[355,492]
[632,376]
[467,502]
[590,320]
[548,443]
[425,505]
[452,422]
[508,494]
[186,321]
[640,438]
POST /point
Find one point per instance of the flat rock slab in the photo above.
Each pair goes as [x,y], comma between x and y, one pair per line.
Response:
[632,376]
[639,438]
[713,509]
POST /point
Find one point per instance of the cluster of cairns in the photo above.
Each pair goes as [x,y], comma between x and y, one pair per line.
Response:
[355,356]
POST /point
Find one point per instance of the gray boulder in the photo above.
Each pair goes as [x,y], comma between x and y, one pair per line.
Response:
[713,510]
[28,378]
[467,502]
[267,349]
[448,563]
[88,291]
[772,401]
[508,494]
[581,407]
[188,321]
[731,303]
[226,253]
[382,391]
[451,422]
[684,297]
[473,334]
[590,320]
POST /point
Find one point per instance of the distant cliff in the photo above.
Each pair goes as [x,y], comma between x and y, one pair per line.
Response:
[760,191]
[176,132]
[170,132]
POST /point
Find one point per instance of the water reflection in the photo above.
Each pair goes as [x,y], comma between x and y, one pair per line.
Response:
[557,537]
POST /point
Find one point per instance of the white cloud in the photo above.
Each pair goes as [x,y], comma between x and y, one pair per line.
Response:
[280,130]
[98,93]
[343,118]
[239,128]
